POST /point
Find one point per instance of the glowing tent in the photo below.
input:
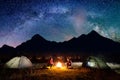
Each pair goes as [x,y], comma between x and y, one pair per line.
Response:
[19,62]
[95,62]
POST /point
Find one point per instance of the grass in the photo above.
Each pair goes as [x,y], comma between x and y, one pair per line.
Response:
[58,74]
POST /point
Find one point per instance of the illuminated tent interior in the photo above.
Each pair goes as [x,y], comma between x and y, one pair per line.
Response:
[95,62]
[19,62]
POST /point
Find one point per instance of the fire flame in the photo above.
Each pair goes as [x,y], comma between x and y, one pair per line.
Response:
[59,65]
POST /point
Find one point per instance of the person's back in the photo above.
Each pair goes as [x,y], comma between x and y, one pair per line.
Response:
[51,62]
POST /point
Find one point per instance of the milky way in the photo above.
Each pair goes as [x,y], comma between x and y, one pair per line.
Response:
[57,20]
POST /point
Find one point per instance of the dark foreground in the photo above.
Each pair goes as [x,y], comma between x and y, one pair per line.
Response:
[58,74]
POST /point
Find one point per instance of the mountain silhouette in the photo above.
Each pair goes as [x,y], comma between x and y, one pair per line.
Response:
[38,38]
[92,42]
[87,43]
[5,49]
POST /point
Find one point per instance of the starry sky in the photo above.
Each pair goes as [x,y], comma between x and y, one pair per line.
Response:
[57,20]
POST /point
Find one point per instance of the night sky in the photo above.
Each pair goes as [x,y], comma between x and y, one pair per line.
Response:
[57,20]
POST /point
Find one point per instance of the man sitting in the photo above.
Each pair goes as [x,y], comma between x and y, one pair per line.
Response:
[50,63]
[69,63]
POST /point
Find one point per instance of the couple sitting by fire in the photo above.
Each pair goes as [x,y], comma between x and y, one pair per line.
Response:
[51,63]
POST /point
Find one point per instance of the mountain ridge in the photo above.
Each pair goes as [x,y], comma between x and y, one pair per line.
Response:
[90,43]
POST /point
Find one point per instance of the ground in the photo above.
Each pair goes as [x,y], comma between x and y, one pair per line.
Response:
[58,74]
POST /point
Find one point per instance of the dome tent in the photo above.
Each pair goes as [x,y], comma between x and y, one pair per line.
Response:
[19,62]
[95,62]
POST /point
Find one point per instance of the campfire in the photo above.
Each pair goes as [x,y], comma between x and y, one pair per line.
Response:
[59,65]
